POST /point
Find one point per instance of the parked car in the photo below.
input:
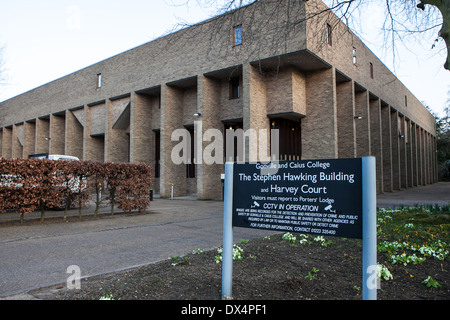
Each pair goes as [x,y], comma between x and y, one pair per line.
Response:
[53,157]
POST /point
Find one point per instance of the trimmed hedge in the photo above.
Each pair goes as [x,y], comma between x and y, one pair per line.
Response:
[30,184]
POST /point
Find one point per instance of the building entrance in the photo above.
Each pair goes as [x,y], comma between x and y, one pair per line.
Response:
[290,138]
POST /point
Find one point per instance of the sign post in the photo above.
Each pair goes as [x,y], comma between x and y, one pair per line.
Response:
[335,197]
[369,240]
[227,254]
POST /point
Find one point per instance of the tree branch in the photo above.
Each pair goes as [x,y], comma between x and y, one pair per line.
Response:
[444,33]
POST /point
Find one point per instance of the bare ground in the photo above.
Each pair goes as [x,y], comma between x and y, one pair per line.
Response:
[272,269]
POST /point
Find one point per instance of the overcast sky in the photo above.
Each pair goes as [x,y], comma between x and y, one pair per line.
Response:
[47,39]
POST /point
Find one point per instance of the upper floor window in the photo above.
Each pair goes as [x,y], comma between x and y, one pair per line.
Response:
[354,56]
[238,35]
[371,70]
[235,88]
[329,34]
[99,80]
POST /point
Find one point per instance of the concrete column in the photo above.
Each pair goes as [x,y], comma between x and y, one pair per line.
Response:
[255,111]
[409,154]
[17,141]
[395,140]
[74,133]
[433,159]
[7,142]
[386,147]
[435,164]
[117,132]
[171,173]
[414,155]
[94,132]
[363,126]
[319,127]
[162,177]
[86,135]
[420,167]
[376,141]
[142,138]
[43,135]
[209,185]
[424,157]
[402,152]
[258,115]
[346,126]
[145,128]
[57,133]
[30,138]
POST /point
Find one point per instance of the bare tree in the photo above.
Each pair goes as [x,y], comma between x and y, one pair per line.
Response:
[444,33]
[403,18]
[3,76]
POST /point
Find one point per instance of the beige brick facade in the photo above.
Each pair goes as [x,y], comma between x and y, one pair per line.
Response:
[346,106]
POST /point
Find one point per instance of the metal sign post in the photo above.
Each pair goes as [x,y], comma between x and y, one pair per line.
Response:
[227,254]
[369,241]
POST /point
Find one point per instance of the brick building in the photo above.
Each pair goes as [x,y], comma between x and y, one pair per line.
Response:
[268,65]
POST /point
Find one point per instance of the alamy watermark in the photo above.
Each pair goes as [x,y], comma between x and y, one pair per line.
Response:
[235,143]
[373,281]
[74,280]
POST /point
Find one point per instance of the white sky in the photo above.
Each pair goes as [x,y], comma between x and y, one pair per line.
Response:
[47,39]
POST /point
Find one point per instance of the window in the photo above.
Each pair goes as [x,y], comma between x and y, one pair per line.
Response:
[406,101]
[234,88]
[238,35]
[290,138]
[371,70]
[99,80]
[157,153]
[190,167]
[329,35]
[354,56]
[235,151]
